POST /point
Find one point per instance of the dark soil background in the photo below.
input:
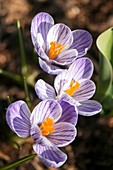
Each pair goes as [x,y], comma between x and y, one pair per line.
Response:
[93,147]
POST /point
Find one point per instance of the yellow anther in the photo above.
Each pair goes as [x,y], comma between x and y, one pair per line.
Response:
[47,127]
[72,88]
[55,49]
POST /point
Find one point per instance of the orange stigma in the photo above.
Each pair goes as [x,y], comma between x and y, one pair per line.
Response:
[47,127]
[55,49]
[73,87]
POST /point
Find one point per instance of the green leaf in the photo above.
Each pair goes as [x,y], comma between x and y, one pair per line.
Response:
[105,46]
[13,76]
[27,94]
[18,162]
[24,66]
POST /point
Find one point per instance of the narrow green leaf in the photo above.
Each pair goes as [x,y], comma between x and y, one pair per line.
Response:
[18,162]
[27,94]
[24,66]
[13,76]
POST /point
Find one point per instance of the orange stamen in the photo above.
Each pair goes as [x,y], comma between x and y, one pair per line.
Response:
[47,127]
[55,49]
[73,87]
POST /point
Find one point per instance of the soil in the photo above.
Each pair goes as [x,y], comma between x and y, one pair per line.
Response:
[93,146]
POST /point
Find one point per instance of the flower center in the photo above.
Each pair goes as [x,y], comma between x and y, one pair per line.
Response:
[47,127]
[72,88]
[55,49]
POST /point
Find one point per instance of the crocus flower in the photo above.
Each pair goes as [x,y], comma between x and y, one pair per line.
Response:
[56,44]
[50,124]
[73,85]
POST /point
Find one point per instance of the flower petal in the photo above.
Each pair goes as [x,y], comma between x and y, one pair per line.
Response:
[85,92]
[62,81]
[63,134]
[49,67]
[69,113]
[81,68]
[44,90]
[40,47]
[46,109]
[50,156]
[37,136]
[82,41]
[61,34]
[66,57]
[41,23]
[89,108]
[18,118]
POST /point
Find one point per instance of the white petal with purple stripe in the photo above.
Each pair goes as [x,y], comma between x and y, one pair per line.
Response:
[49,67]
[63,135]
[62,81]
[50,156]
[18,118]
[81,68]
[82,41]
[62,34]
[44,90]
[41,23]
[85,92]
[46,109]
[89,108]
[69,113]
[66,57]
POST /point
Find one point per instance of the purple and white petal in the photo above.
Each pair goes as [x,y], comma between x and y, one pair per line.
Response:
[49,67]
[63,134]
[62,34]
[85,92]
[81,68]
[18,118]
[69,113]
[67,98]
[89,108]
[40,47]
[37,136]
[82,41]
[41,23]
[66,57]
[50,156]
[44,90]
[62,81]
[46,109]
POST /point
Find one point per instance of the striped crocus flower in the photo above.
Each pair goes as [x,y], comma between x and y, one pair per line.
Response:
[73,85]
[56,44]
[50,124]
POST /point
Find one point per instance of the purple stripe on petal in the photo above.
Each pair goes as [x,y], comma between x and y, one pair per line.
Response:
[49,68]
[21,128]
[81,68]
[89,108]
[82,41]
[18,118]
[62,81]
[44,90]
[50,156]
[66,57]
[63,134]
[85,92]
[69,113]
[41,23]
[46,109]
[61,34]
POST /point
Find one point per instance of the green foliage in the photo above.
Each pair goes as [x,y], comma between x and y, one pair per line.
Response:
[105,82]
[18,162]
